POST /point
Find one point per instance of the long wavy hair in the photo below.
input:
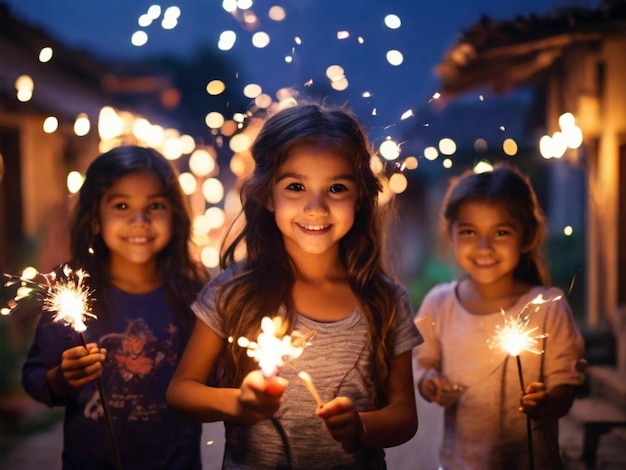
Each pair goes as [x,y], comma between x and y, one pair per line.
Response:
[265,278]
[184,276]
[504,185]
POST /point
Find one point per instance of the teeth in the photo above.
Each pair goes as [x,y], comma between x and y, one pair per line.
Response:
[484,262]
[314,227]
[138,240]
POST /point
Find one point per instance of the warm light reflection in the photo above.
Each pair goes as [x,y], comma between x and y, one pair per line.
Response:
[74,181]
[45,54]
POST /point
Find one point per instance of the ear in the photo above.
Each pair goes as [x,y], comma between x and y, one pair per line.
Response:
[269,205]
[95,226]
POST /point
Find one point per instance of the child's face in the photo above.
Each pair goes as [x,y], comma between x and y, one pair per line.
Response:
[314,201]
[135,219]
[487,241]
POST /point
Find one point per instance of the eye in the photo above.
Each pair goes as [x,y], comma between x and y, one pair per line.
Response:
[338,188]
[466,232]
[295,187]
[158,206]
[502,233]
[120,206]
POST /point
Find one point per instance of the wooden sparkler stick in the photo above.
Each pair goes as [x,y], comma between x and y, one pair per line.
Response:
[531,456]
[107,415]
[308,382]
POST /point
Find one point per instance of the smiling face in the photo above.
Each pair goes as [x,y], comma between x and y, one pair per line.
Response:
[487,242]
[314,201]
[135,220]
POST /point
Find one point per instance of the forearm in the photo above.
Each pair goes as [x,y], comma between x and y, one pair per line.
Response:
[58,386]
[560,399]
[390,426]
[202,403]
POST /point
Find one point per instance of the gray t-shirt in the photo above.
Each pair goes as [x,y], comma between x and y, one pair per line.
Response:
[339,365]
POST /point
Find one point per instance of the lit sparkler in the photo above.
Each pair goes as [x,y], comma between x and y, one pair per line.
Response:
[272,350]
[69,299]
[308,382]
[514,337]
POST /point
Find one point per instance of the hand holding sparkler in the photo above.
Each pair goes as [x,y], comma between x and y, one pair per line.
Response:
[261,391]
[260,397]
[343,422]
[79,366]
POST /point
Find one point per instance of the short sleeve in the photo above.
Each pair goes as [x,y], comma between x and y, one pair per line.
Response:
[407,334]
[205,305]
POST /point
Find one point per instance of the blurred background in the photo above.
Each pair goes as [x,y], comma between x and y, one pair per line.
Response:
[440,87]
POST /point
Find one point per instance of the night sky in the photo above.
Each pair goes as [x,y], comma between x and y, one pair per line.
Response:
[308,34]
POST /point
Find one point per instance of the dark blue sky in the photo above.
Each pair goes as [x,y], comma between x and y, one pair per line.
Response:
[428,29]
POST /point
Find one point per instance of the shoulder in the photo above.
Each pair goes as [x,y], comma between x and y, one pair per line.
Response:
[443,292]
[550,295]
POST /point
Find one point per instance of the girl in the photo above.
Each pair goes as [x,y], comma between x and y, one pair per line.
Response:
[496,229]
[130,231]
[313,257]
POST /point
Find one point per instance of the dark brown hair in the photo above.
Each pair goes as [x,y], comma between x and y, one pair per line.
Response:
[265,278]
[508,186]
[88,250]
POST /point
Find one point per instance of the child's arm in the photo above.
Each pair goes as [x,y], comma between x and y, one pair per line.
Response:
[539,403]
[79,366]
[257,399]
[390,426]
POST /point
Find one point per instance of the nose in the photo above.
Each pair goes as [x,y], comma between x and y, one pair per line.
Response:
[483,243]
[316,205]
[140,218]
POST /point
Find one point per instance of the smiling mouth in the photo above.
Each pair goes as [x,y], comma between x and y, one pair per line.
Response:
[314,228]
[484,263]
[137,240]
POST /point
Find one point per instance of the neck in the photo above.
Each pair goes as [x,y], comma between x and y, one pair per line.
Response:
[134,278]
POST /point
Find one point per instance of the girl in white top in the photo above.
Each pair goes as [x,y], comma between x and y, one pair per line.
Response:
[496,229]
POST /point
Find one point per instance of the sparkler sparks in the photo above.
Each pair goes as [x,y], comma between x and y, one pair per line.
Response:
[70,298]
[515,336]
[272,350]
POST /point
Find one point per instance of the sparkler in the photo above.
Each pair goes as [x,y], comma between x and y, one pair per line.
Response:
[69,299]
[271,350]
[514,337]
[308,382]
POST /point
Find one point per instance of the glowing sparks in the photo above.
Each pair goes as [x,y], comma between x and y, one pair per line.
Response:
[69,298]
[272,349]
[515,335]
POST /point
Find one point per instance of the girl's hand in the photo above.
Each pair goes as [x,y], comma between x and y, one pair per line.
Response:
[535,402]
[438,388]
[81,365]
[343,422]
[260,397]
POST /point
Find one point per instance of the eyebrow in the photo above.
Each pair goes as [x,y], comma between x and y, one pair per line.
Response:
[346,176]
[462,223]
[112,196]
